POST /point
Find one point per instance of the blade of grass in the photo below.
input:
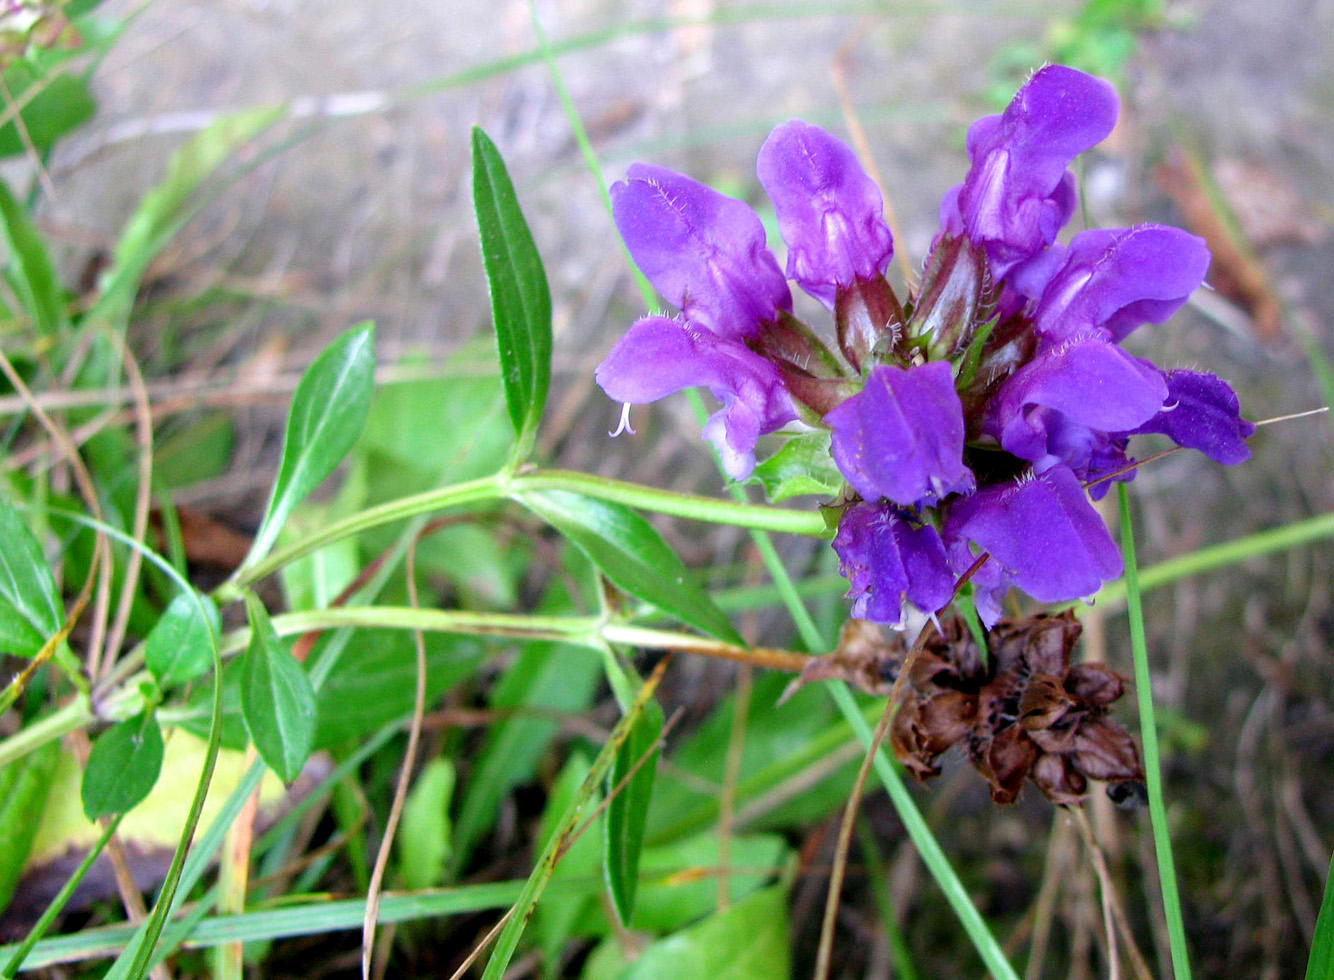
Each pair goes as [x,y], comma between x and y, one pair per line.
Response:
[1153,778]
[1321,964]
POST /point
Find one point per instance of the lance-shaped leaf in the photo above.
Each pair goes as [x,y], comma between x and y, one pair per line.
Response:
[636,766]
[122,767]
[29,608]
[632,555]
[277,698]
[520,298]
[180,647]
[328,411]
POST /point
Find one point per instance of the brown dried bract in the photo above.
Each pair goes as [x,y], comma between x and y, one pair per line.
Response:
[1024,713]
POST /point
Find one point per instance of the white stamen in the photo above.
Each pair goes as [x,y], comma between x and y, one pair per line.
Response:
[624,425]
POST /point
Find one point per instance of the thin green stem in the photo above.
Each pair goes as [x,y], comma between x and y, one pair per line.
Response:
[1228,553]
[57,904]
[500,486]
[928,848]
[75,714]
[456,495]
[1153,778]
[692,506]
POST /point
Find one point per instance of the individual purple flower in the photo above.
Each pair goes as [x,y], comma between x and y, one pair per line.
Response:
[1202,412]
[886,558]
[1018,193]
[829,211]
[705,252]
[658,356]
[901,436]
[1117,279]
[1055,408]
[1041,532]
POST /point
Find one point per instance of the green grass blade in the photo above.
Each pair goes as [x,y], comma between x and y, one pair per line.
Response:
[1321,964]
[928,848]
[35,280]
[508,940]
[1162,841]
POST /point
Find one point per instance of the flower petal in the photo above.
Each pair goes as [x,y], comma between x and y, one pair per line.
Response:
[901,436]
[658,356]
[1117,279]
[1203,413]
[829,211]
[705,252]
[1042,531]
[885,558]
[1018,193]
[1085,381]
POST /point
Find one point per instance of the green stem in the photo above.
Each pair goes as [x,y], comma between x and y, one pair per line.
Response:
[76,714]
[1153,777]
[928,848]
[455,495]
[500,486]
[695,507]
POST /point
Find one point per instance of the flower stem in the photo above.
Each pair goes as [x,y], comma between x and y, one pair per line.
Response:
[501,486]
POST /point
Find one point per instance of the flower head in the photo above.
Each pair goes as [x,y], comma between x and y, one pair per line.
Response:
[977,415]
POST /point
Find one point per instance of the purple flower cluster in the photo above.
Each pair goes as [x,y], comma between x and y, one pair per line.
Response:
[972,420]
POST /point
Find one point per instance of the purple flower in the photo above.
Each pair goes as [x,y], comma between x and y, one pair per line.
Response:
[1018,193]
[885,558]
[1043,535]
[1059,406]
[1115,280]
[1202,412]
[901,436]
[658,356]
[705,252]
[829,210]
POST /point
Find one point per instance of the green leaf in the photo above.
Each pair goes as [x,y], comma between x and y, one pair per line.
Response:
[34,277]
[328,411]
[749,941]
[636,765]
[520,298]
[30,612]
[546,679]
[802,466]
[122,767]
[277,699]
[162,212]
[180,647]
[1321,964]
[424,836]
[632,555]
[379,679]
[24,785]
[61,103]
